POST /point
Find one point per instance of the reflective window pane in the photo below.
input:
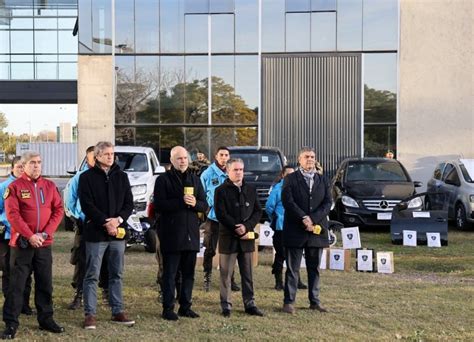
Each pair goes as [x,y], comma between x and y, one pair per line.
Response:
[246,89]
[323,5]
[246,136]
[46,71]
[246,25]
[22,71]
[46,23]
[144,98]
[22,23]
[349,25]
[223,89]
[46,58]
[67,42]
[68,58]
[66,23]
[196,33]
[298,32]
[21,41]
[124,27]
[4,42]
[85,26]
[380,88]
[46,41]
[147,26]
[222,33]
[298,5]
[172,89]
[22,58]
[273,25]
[380,25]
[4,71]
[125,85]
[45,11]
[197,90]
[221,6]
[243,136]
[172,26]
[379,139]
[197,139]
[323,31]
[68,71]
[169,137]
[102,26]
[196,6]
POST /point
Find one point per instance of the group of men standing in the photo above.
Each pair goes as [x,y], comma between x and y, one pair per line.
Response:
[102,201]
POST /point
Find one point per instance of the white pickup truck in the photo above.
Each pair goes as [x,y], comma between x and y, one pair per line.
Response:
[142,167]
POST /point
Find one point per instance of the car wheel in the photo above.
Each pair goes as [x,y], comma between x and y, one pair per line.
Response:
[150,241]
[460,216]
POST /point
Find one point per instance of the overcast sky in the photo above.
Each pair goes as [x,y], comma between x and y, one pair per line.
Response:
[39,117]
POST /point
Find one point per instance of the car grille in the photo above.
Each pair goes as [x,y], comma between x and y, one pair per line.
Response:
[380,204]
[262,195]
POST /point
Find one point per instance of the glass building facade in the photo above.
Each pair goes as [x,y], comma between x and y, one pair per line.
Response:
[189,71]
[36,40]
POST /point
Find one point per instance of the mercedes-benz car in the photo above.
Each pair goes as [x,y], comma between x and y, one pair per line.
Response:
[365,191]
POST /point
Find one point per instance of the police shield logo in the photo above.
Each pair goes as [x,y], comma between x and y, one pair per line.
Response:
[365,257]
[383,261]
[350,236]
[337,256]
[433,237]
[6,193]
[267,233]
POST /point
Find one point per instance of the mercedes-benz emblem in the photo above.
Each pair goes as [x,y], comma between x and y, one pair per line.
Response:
[383,204]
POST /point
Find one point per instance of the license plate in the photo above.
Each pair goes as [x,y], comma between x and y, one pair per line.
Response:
[384,216]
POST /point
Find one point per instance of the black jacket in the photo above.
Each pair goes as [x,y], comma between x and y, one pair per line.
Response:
[299,202]
[236,207]
[103,196]
[178,223]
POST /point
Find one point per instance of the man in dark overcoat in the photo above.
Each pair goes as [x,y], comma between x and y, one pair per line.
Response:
[238,212]
[307,200]
[178,198]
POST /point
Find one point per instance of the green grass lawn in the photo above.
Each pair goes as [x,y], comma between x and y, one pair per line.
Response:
[428,298]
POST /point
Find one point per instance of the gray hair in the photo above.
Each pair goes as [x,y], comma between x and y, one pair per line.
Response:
[28,155]
[232,161]
[175,149]
[306,149]
[101,146]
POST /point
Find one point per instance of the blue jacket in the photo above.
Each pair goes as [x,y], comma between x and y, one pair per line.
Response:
[72,202]
[274,206]
[3,215]
[211,178]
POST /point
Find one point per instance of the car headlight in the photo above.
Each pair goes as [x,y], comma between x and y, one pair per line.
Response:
[471,198]
[415,203]
[138,190]
[349,202]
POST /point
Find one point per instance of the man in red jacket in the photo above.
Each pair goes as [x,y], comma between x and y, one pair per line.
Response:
[34,210]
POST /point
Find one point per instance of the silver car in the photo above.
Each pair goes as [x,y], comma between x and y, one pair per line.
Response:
[455,180]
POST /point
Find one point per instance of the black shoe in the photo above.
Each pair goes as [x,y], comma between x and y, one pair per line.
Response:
[169,315]
[187,313]
[9,333]
[226,313]
[27,310]
[302,286]
[51,326]
[76,301]
[234,287]
[254,311]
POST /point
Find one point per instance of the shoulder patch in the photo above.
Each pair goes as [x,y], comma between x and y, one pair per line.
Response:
[6,193]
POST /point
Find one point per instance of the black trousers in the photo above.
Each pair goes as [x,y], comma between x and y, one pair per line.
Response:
[293,262]
[5,267]
[211,237]
[277,267]
[78,259]
[172,262]
[22,263]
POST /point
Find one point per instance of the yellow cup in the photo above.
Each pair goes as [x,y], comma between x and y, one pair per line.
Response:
[250,235]
[317,229]
[120,233]
[188,190]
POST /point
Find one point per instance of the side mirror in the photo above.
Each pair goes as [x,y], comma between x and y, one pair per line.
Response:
[159,170]
[418,184]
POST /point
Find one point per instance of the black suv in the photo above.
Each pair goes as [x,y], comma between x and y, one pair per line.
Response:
[365,190]
[262,167]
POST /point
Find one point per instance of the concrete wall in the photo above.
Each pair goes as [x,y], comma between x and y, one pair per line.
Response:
[436,99]
[95,101]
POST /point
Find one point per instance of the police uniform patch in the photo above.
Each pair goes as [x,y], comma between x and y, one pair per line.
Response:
[6,193]
[25,194]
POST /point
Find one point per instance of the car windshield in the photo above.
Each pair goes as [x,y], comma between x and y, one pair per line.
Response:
[466,174]
[375,171]
[259,161]
[128,161]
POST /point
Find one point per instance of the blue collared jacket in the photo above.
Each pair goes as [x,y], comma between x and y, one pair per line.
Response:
[274,206]
[3,215]
[211,178]
[72,199]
